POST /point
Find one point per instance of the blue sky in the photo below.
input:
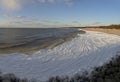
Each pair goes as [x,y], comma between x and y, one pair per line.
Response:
[58,13]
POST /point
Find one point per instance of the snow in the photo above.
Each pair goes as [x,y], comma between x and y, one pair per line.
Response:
[83,52]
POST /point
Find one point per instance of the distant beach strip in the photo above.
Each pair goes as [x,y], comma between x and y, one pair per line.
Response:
[33,44]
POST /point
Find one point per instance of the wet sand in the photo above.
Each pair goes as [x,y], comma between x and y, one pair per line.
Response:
[106,30]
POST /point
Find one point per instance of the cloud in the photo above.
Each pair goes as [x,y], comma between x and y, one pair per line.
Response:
[18,4]
[20,17]
[42,1]
[15,24]
[11,17]
[69,2]
[24,21]
[10,4]
[51,1]
[75,21]
[95,24]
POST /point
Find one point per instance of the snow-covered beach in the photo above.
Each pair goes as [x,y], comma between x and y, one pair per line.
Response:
[83,52]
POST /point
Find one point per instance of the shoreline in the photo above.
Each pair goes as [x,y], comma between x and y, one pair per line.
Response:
[46,43]
[83,52]
[105,30]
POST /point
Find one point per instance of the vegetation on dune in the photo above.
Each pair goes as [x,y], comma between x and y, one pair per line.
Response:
[110,27]
[109,72]
[103,27]
[11,78]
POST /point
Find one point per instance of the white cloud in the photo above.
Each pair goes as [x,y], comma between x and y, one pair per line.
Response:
[42,1]
[18,4]
[20,17]
[75,21]
[68,2]
[95,24]
[10,4]
[23,21]
[15,24]
[51,1]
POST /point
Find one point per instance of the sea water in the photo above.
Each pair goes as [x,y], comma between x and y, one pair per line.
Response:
[29,39]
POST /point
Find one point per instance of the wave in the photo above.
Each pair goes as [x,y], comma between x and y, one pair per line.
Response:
[27,43]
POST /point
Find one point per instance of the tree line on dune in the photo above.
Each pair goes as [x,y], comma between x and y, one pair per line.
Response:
[110,27]
[103,27]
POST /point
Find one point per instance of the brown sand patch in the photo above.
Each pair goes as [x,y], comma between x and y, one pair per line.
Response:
[106,30]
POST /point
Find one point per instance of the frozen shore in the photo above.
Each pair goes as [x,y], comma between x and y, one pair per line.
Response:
[83,52]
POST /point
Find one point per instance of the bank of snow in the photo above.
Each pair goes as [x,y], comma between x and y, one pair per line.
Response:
[83,52]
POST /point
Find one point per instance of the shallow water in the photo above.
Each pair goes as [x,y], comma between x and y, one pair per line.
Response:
[14,40]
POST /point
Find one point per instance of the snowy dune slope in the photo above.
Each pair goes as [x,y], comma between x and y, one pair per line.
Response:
[83,52]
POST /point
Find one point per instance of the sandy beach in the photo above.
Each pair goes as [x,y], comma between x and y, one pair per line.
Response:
[105,30]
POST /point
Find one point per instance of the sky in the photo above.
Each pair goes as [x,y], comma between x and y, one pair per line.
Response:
[58,13]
